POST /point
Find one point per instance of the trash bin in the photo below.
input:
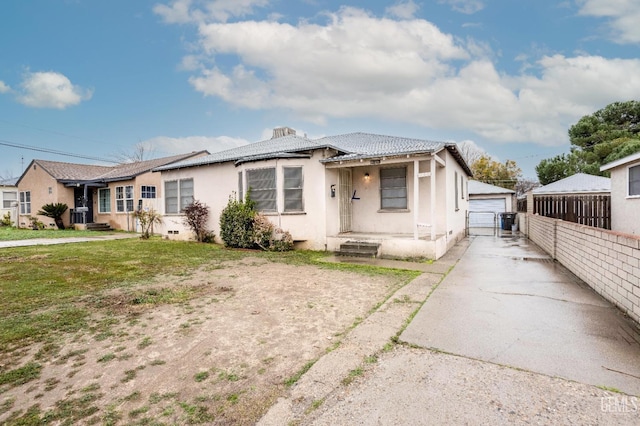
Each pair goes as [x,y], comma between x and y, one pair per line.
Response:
[507,220]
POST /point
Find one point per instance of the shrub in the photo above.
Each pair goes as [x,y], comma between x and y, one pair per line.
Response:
[54,211]
[147,219]
[236,223]
[6,220]
[268,237]
[196,217]
[35,223]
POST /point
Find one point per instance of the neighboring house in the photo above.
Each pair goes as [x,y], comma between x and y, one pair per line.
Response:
[580,198]
[486,202]
[9,199]
[578,184]
[625,194]
[407,195]
[95,194]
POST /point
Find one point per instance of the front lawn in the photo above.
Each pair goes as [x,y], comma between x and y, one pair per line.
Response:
[8,233]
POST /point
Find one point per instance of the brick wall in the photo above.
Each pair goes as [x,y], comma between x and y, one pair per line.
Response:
[609,262]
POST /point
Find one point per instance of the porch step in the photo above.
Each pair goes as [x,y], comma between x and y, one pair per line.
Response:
[358,249]
[99,227]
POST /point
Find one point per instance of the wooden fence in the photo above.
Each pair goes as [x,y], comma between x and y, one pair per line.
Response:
[590,210]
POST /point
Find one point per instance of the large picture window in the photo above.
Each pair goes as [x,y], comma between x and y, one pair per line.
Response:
[124,198]
[393,188]
[25,202]
[104,200]
[262,184]
[293,189]
[178,194]
[634,181]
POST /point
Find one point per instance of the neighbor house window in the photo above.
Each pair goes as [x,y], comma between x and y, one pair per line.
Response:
[393,188]
[462,187]
[634,181]
[262,184]
[455,185]
[8,198]
[240,187]
[293,189]
[25,202]
[178,194]
[124,198]
[104,200]
[148,191]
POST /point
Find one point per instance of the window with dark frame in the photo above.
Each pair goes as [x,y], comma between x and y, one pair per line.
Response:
[262,186]
[393,188]
[634,181]
[148,191]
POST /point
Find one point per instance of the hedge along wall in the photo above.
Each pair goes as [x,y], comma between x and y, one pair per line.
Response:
[608,261]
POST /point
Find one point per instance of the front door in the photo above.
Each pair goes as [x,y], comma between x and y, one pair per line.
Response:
[80,216]
[346,189]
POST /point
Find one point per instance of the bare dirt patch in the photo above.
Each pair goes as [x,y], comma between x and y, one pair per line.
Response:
[215,346]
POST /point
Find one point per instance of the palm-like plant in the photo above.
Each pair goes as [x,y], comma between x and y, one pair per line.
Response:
[55,211]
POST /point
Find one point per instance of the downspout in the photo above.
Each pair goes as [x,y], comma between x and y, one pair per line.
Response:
[432,167]
[416,197]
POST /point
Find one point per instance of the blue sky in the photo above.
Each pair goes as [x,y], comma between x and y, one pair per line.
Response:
[97,79]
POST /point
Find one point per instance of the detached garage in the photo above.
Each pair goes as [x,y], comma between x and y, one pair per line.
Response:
[486,201]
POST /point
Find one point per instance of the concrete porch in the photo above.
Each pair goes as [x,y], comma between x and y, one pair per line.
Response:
[394,245]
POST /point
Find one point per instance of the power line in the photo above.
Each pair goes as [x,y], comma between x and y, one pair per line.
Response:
[54,151]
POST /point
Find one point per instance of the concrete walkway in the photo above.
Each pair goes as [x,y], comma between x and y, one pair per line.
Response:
[64,240]
[507,302]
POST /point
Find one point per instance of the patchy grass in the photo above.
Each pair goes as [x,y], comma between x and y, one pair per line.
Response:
[21,375]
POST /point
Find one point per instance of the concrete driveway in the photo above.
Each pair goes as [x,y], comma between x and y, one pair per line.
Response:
[506,302]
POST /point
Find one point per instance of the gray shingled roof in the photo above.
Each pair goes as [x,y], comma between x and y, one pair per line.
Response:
[9,182]
[72,172]
[352,146]
[481,188]
[578,183]
[262,149]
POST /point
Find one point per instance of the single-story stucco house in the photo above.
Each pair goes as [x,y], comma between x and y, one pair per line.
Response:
[9,198]
[105,195]
[577,184]
[625,194]
[486,202]
[405,195]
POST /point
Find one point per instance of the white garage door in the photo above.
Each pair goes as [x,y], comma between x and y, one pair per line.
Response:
[480,212]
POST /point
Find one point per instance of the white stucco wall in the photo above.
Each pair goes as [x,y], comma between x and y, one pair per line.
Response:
[624,209]
[214,184]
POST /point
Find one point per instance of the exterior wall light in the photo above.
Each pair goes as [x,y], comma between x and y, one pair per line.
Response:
[367,177]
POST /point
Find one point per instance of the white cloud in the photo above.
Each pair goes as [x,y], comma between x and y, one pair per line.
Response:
[171,146]
[623,16]
[4,88]
[50,90]
[190,11]
[358,65]
[464,6]
[404,9]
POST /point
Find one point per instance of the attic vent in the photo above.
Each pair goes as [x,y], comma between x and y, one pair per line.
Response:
[279,132]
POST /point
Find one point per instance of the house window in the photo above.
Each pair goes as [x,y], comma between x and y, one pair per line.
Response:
[455,185]
[240,187]
[124,198]
[634,181]
[8,198]
[178,194]
[462,187]
[104,200]
[262,184]
[293,189]
[25,202]
[393,188]
[148,191]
